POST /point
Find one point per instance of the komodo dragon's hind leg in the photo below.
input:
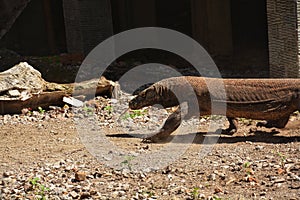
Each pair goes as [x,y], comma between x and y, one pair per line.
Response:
[233,126]
[171,124]
[278,123]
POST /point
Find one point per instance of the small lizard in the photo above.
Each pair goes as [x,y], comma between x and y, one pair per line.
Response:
[273,100]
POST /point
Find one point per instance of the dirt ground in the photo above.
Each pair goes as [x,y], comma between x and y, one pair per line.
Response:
[264,164]
[251,164]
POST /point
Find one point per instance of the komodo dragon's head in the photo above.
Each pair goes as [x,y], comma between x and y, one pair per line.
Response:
[155,94]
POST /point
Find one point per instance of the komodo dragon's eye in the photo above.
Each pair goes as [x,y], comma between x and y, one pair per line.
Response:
[149,94]
[143,94]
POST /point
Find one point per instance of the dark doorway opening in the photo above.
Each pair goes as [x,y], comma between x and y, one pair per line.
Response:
[250,34]
[174,14]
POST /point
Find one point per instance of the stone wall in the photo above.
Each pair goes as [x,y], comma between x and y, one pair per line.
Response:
[283,37]
[87,23]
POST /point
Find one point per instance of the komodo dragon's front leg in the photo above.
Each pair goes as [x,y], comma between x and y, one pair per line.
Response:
[170,125]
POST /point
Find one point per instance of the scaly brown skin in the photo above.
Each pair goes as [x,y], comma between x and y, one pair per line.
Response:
[272,100]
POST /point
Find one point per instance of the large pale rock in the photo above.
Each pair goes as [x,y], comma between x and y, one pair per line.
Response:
[22,78]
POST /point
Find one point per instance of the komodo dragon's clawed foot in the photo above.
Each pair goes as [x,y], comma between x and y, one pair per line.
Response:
[233,126]
[171,124]
[161,136]
[228,131]
[155,138]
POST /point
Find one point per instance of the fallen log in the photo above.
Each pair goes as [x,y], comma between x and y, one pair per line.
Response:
[23,87]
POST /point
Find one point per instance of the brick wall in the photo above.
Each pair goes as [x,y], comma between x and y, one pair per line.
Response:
[283,37]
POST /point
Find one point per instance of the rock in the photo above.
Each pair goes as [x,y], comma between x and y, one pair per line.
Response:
[14,93]
[272,178]
[73,102]
[218,190]
[74,194]
[278,184]
[115,194]
[27,187]
[85,195]
[7,181]
[222,176]
[7,174]
[80,176]
[121,193]
[56,165]
[211,177]
[5,191]
[280,180]
[259,147]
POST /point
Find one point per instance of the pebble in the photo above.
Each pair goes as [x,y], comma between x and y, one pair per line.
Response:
[259,147]
[80,176]
[211,177]
[280,180]
[74,194]
[7,174]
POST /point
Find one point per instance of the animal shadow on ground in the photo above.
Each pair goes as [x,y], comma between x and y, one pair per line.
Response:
[257,136]
[199,138]
[272,136]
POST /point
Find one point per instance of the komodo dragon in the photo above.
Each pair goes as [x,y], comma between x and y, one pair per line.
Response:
[272,100]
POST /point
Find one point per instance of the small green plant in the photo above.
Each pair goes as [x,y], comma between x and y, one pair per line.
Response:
[34,181]
[41,110]
[216,117]
[28,111]
[195,193]
[126,116]
[108,108]
[148,193]
[245,121]
[282,158]
[207,185]
[89,110]
[127,161]
[39,189]
[248,169]
[134,113]
[247,164]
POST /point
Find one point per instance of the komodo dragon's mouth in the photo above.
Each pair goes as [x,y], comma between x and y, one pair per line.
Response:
[137,103]
[133,105]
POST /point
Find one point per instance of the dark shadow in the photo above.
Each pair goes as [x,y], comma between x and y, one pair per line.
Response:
[124,135]
[258,136]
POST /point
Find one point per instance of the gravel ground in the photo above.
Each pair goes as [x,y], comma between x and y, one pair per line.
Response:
[43,157]
[55,154]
